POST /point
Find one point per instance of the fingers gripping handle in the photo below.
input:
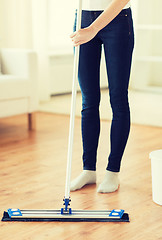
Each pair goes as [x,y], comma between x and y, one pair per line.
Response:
[73,106]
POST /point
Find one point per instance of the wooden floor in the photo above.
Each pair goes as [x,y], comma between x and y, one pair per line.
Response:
[32,176]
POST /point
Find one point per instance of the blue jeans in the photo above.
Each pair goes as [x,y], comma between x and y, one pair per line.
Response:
[117,39]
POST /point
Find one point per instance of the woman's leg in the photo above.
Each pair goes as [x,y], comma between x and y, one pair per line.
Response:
[89,73]
[89,81]
[118,39]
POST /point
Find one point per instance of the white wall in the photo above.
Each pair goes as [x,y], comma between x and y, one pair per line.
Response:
[15,24]
[147,60]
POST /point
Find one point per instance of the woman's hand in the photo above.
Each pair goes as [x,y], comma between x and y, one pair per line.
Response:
[83,35]
[86,34]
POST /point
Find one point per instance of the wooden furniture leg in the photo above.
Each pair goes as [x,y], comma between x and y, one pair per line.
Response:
[31,121]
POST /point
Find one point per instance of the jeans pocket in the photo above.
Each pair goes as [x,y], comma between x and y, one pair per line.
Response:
[130,22]
[129,19]
[131,31]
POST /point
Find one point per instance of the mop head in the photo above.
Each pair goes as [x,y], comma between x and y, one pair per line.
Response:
[58,216]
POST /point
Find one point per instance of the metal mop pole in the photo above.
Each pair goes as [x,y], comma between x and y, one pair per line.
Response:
[72,113]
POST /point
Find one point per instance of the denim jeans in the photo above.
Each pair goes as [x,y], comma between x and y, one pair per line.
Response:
[117,39]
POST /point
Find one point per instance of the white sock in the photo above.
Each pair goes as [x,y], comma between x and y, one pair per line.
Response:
[86,177]
[110,183]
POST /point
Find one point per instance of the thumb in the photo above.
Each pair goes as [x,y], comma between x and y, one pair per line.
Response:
[73,34]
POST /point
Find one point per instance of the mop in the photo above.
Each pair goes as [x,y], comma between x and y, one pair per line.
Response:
[66,214]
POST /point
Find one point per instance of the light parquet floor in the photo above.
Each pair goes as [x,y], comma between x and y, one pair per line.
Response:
[32,176]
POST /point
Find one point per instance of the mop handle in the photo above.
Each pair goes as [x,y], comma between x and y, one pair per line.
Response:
[73,106]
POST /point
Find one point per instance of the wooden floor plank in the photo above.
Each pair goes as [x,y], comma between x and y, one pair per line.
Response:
[32,176]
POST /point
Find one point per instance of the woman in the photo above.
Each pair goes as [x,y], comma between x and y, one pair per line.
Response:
[108,23]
